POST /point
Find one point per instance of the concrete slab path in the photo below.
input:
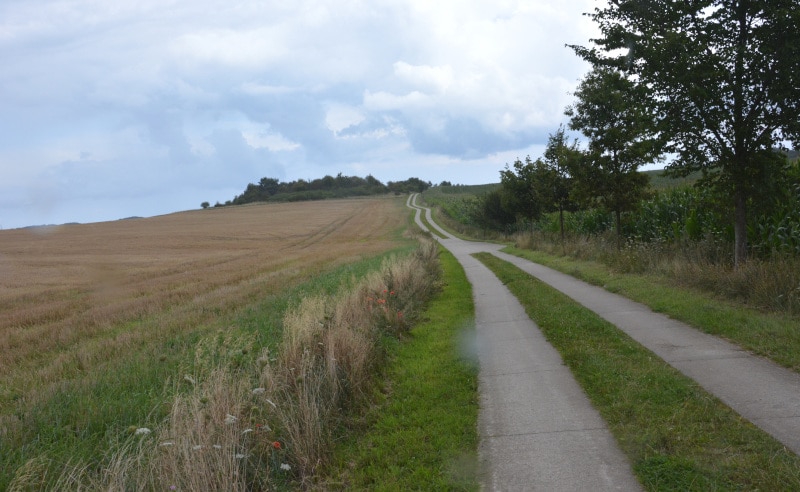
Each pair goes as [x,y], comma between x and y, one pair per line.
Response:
[537,429]
[759,390]
[764,393]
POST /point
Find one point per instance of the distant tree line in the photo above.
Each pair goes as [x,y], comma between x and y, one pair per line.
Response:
[274,190]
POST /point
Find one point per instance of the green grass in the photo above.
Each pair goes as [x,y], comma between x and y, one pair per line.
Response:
[424,219]
[433,230]
[84,418]
[422,433]
[455,204]
[660,182]
[677,436]
[772,335]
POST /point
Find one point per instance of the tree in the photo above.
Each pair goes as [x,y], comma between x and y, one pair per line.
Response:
[611,112]
[205,205]
[522,190]
[489,211]
[560,159]
[724,80]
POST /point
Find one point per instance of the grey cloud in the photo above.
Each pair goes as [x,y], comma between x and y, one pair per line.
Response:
[160,96]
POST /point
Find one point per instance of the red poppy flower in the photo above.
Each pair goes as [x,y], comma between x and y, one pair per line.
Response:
[276,445]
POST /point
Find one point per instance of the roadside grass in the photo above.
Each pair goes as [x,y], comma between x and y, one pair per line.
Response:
[85,418]
[450,212]
[433,230]
[421,433]
[415,208]
[772,335]
[677,436]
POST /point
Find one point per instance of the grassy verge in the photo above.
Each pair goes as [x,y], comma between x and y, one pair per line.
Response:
[772,335]
[446,222]
[86,418]
[423,218]
[677,436]
[422,434]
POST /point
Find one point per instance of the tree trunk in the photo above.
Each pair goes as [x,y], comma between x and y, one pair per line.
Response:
[740,229]
[619,228]
[561,221]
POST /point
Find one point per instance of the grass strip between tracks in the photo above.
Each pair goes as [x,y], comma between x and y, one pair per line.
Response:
[422,434]
[677,436]
[772,335]
[424,218]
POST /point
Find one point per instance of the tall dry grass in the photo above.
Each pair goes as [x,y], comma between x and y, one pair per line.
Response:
[772,284]
[331,347]
[204,444]
[249,430]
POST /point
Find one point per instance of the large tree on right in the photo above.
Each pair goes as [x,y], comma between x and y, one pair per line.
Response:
[723,77]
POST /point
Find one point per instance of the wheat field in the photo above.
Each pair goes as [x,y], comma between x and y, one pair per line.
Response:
[71,296]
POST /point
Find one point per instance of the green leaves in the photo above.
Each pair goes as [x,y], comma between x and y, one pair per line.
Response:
[613,112]
[720,77]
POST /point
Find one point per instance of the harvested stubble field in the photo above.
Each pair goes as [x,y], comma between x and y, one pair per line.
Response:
[72,297]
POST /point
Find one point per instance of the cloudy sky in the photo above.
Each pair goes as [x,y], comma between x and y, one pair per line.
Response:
[111,109]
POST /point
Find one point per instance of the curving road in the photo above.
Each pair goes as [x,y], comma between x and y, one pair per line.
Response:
[759,390]
[537,428]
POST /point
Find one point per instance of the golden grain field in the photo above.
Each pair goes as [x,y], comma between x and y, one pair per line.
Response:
[69,294]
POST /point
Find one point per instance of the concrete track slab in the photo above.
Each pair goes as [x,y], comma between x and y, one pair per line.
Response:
[761,391]
[538,430]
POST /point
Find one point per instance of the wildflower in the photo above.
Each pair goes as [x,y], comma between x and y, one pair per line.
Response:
[197,447]
[240,456]
[230,419]
[392,293]
[247,431]
[142,431]
[259,391]
[285,467]
[173,487]
[216,446]
[276,445]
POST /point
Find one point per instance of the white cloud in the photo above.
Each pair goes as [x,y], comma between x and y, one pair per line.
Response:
[256,89]
[341,116]
[425,77]
[385,101]
[132,97]
[248,49]
[271,141]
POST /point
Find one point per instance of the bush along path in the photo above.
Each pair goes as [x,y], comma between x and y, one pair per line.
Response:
[536,427]
[760,391]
